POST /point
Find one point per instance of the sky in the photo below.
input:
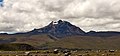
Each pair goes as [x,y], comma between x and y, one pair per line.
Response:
[1,2]
[25,15]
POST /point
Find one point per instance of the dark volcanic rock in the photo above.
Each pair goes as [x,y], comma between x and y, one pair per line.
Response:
[59,29]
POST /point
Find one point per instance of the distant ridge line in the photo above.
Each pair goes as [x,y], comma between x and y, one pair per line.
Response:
[64,28]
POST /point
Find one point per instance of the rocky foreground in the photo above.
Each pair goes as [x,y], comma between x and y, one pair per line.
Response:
[57,52]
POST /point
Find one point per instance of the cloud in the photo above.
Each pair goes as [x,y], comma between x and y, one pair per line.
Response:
[93,8]
[95,14]
[25,15]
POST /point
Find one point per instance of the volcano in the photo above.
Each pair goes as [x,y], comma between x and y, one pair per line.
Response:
[59,29]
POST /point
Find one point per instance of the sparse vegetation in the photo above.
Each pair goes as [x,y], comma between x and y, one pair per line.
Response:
[84,42]
[15,47]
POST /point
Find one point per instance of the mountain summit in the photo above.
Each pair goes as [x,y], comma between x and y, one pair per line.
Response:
[59,29]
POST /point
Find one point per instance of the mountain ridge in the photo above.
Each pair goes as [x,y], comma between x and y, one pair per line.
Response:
[62,28]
